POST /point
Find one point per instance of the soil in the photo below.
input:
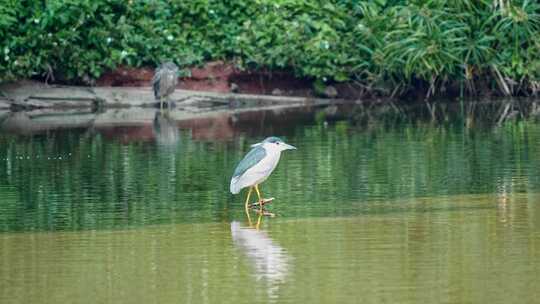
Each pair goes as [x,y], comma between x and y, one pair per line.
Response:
[219,77]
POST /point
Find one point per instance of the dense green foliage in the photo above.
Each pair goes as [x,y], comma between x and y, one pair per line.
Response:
[384,47]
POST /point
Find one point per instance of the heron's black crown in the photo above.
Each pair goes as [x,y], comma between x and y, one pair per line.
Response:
[273,139]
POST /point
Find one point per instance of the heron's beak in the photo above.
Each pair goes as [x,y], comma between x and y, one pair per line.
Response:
[288,147]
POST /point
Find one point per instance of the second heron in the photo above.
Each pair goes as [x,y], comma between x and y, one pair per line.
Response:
[164,82]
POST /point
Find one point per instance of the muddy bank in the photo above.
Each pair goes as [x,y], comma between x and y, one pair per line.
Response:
[219,77]
[215,82]
[30,108]
[30,95]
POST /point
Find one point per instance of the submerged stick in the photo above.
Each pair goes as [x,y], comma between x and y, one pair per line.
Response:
[264,202]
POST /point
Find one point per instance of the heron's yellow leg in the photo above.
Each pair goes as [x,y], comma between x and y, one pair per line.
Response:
[249,218]
[247,199]
[161,104]
[258,221]
[259,195]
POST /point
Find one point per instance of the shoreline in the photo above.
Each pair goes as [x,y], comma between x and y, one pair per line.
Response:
[31,95]
[30,107]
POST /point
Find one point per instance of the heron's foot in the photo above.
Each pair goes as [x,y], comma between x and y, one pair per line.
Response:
[260,203]
[266,213]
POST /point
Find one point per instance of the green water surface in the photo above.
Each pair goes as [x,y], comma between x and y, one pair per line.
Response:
[412,211]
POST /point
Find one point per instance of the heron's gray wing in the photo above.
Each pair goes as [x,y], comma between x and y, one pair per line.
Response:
[155,82]
[172,85]
[253,157]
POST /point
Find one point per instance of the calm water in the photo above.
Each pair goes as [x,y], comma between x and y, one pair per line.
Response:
[370,209]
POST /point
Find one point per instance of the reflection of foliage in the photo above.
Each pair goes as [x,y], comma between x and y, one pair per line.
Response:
[72,182]
[69,180]
[472,113]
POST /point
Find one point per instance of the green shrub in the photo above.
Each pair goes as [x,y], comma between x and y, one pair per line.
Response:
[386,46]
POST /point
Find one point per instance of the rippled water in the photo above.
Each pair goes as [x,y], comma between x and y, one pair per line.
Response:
[400,211]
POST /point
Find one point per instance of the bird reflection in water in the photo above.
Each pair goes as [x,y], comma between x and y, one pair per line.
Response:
[270,260]
[166,131]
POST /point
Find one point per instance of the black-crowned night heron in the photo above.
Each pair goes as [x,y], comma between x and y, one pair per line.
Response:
[164,82]
[256,166]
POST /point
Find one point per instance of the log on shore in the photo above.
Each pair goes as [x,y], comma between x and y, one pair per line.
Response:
[32,95]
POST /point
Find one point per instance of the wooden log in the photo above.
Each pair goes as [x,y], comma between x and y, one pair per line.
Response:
[31,95]
[40,103]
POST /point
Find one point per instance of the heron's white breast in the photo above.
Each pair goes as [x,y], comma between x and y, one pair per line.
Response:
[267,164]
[259,172]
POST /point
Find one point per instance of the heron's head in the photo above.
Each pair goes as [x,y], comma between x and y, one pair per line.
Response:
[170,66]
[275,144]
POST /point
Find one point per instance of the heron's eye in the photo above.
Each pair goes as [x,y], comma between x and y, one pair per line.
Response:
[277,143]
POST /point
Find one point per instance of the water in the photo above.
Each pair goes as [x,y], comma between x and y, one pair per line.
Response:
[397,209]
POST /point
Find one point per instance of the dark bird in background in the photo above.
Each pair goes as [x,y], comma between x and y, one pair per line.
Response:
[164,82]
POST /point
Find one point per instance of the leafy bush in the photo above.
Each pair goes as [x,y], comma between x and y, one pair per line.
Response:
[384,46]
